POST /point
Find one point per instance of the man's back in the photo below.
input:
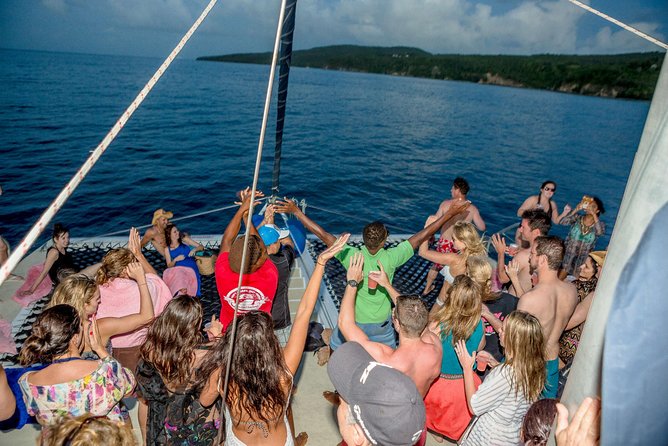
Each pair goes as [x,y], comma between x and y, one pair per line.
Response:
[553,303]
[470,215]
[419,359]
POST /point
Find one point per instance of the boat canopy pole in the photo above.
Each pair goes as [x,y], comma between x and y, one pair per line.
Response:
[249,218]
[283,76]
[67,191]
[621,24]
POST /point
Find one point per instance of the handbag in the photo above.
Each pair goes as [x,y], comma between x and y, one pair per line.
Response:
[206,262]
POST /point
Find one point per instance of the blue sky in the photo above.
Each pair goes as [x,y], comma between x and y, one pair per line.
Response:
[153,27]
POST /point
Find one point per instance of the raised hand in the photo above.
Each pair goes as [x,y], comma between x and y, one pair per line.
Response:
[380,276]
[513,269]
[499,243]
[585,427]
[286,206]
[134,243]
[465,359]
[355,269]
[567,209]
[456,208]
[334,249]
[245,198]
[95,339]
[135,272]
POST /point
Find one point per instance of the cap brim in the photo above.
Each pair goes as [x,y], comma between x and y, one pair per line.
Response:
[344,365]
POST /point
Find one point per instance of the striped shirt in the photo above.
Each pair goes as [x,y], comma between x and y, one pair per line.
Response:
[500,412]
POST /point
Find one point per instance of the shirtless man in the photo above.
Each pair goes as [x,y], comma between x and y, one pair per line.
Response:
[419,352]
[552,301]
[460,187]
[535,223]
[156,233]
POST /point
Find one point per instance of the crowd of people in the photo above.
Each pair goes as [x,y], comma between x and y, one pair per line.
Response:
[483,366]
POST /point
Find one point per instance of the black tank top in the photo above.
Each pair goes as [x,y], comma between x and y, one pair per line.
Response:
[64,261]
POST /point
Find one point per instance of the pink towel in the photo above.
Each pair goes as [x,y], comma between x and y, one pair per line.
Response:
[120,297]
[179,277]
[41,291]
[7,344]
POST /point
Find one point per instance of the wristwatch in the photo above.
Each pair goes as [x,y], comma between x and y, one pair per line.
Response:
[353,283]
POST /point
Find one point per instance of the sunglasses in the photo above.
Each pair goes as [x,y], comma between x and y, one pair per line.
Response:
[549,189]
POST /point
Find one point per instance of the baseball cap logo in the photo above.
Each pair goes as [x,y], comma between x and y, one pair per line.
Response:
[372,365]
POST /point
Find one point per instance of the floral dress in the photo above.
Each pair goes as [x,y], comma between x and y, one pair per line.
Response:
[98,393]
[175,418]
[580,241]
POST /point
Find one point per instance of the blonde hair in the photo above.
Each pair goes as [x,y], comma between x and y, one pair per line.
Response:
[114,264]
[86,430]
[466,233]
[524,345]
[480,270]
[462,310]
[76,290]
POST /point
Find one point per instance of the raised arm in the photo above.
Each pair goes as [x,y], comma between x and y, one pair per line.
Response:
[288,206]
[417,239]
[513,272]
[295,347]
[235,223]
[499,244]
[134,246]
[112,326]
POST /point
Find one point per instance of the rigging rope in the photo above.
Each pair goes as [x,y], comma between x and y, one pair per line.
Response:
[78,177]
[249,220]
[621,24]
[187,217]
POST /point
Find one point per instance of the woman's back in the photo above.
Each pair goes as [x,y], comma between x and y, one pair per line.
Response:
[61,389]
[500,408]
[242,429]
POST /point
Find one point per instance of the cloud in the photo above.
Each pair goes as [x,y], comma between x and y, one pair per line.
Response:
[616,40]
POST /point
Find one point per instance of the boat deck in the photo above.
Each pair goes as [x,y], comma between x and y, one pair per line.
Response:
[312,413]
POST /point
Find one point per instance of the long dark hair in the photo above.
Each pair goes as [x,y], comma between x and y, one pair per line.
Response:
[258,372]
[168,234]
[172,339]
[51,335]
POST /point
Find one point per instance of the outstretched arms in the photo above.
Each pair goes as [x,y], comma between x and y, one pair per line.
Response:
[416,239]
[288,206]
[295,347]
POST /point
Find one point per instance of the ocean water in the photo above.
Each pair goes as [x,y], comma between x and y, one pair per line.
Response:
[360,146]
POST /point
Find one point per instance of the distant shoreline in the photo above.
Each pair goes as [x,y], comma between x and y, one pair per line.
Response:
[624,76]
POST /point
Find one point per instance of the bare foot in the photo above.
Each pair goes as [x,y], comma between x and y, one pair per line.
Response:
[326,335]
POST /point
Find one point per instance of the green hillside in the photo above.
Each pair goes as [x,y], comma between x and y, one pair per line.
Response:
[631,76]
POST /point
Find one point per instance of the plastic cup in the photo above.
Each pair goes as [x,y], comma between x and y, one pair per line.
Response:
[512,249]
[372,284]
[481,365]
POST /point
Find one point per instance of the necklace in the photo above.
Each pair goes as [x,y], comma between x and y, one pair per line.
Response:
[585,228]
